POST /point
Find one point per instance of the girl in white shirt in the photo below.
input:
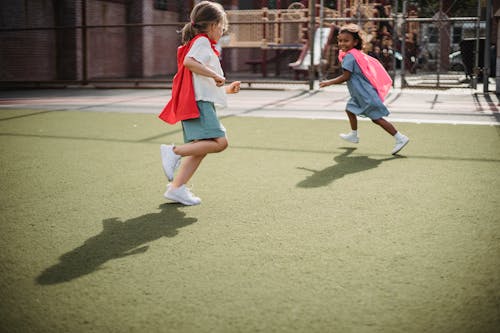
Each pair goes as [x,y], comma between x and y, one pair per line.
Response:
[203,135]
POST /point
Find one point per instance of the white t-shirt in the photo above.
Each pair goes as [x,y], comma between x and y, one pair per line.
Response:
[205,88]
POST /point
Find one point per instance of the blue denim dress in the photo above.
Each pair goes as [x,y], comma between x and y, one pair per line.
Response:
[364,100]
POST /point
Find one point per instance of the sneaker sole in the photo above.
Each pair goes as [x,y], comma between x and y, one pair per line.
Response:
[163,153]
[357,141]
[175,199]
[397,151]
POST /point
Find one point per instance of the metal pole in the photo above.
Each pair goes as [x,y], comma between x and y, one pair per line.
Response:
[403,46]
[84,41]
[264,42]
[476,47]
[312,19]
[440,41]
[321,17]
[394,40]
[487,42]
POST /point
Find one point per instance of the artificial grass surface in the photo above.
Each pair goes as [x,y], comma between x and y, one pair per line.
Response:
[297,232]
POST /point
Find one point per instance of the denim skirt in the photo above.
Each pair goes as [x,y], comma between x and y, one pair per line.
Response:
[207,126]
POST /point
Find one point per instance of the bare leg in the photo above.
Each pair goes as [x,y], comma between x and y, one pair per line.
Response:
[202,147]
[353,120]
[193,154]
[387,126]
[188,167]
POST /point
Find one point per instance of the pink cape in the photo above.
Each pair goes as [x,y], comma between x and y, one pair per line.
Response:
[373,70]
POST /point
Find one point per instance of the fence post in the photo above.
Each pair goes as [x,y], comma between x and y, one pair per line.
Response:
[394,41]
[440,25]
[321,17]
[496,17]
[403,47]
[84,42]
[312,19]
[487,42]
[474,72]
[265,19]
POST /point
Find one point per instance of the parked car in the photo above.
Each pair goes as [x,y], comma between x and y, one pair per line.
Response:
[456,63]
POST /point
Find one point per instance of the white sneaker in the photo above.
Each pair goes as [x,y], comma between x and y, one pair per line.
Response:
[169,160]
[403,141]
[183,195]
[351,137]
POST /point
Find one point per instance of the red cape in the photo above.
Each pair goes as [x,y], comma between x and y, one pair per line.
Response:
[182,104]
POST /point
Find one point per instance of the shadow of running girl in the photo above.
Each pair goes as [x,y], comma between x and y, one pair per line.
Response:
[345,165]
[117,240]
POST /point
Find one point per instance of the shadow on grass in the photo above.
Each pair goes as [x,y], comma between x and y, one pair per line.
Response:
[345,165]
[117,240]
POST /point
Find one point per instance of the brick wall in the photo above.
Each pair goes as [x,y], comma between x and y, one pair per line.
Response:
[56,54]
[131,52]
[67,40]
[160,43]
[27,55]
[107,55]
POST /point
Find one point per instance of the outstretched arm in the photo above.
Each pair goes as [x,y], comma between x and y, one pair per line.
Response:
[346,75]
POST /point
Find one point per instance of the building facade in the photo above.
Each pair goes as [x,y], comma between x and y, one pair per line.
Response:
[80,40]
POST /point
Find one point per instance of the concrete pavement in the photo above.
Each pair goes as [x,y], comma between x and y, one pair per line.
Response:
[455,106]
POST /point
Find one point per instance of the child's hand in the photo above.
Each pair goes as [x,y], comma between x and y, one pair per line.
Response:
[219,80]
[233,87]
[324,84]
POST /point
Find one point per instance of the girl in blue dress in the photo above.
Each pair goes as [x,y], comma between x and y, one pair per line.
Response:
[365,100]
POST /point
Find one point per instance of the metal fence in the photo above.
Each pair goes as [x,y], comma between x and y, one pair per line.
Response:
[449,54]
[298,43]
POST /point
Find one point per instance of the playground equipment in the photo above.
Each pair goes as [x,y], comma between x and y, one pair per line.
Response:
[279,30]
[282,30]
[267,28]
[323,38]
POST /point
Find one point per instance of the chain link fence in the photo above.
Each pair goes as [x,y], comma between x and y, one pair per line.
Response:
[272,46]
[441,52]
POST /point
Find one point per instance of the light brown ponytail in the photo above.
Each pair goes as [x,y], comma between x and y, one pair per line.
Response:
[202,15]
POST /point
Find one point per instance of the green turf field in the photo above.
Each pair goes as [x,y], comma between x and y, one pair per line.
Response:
[297,232]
